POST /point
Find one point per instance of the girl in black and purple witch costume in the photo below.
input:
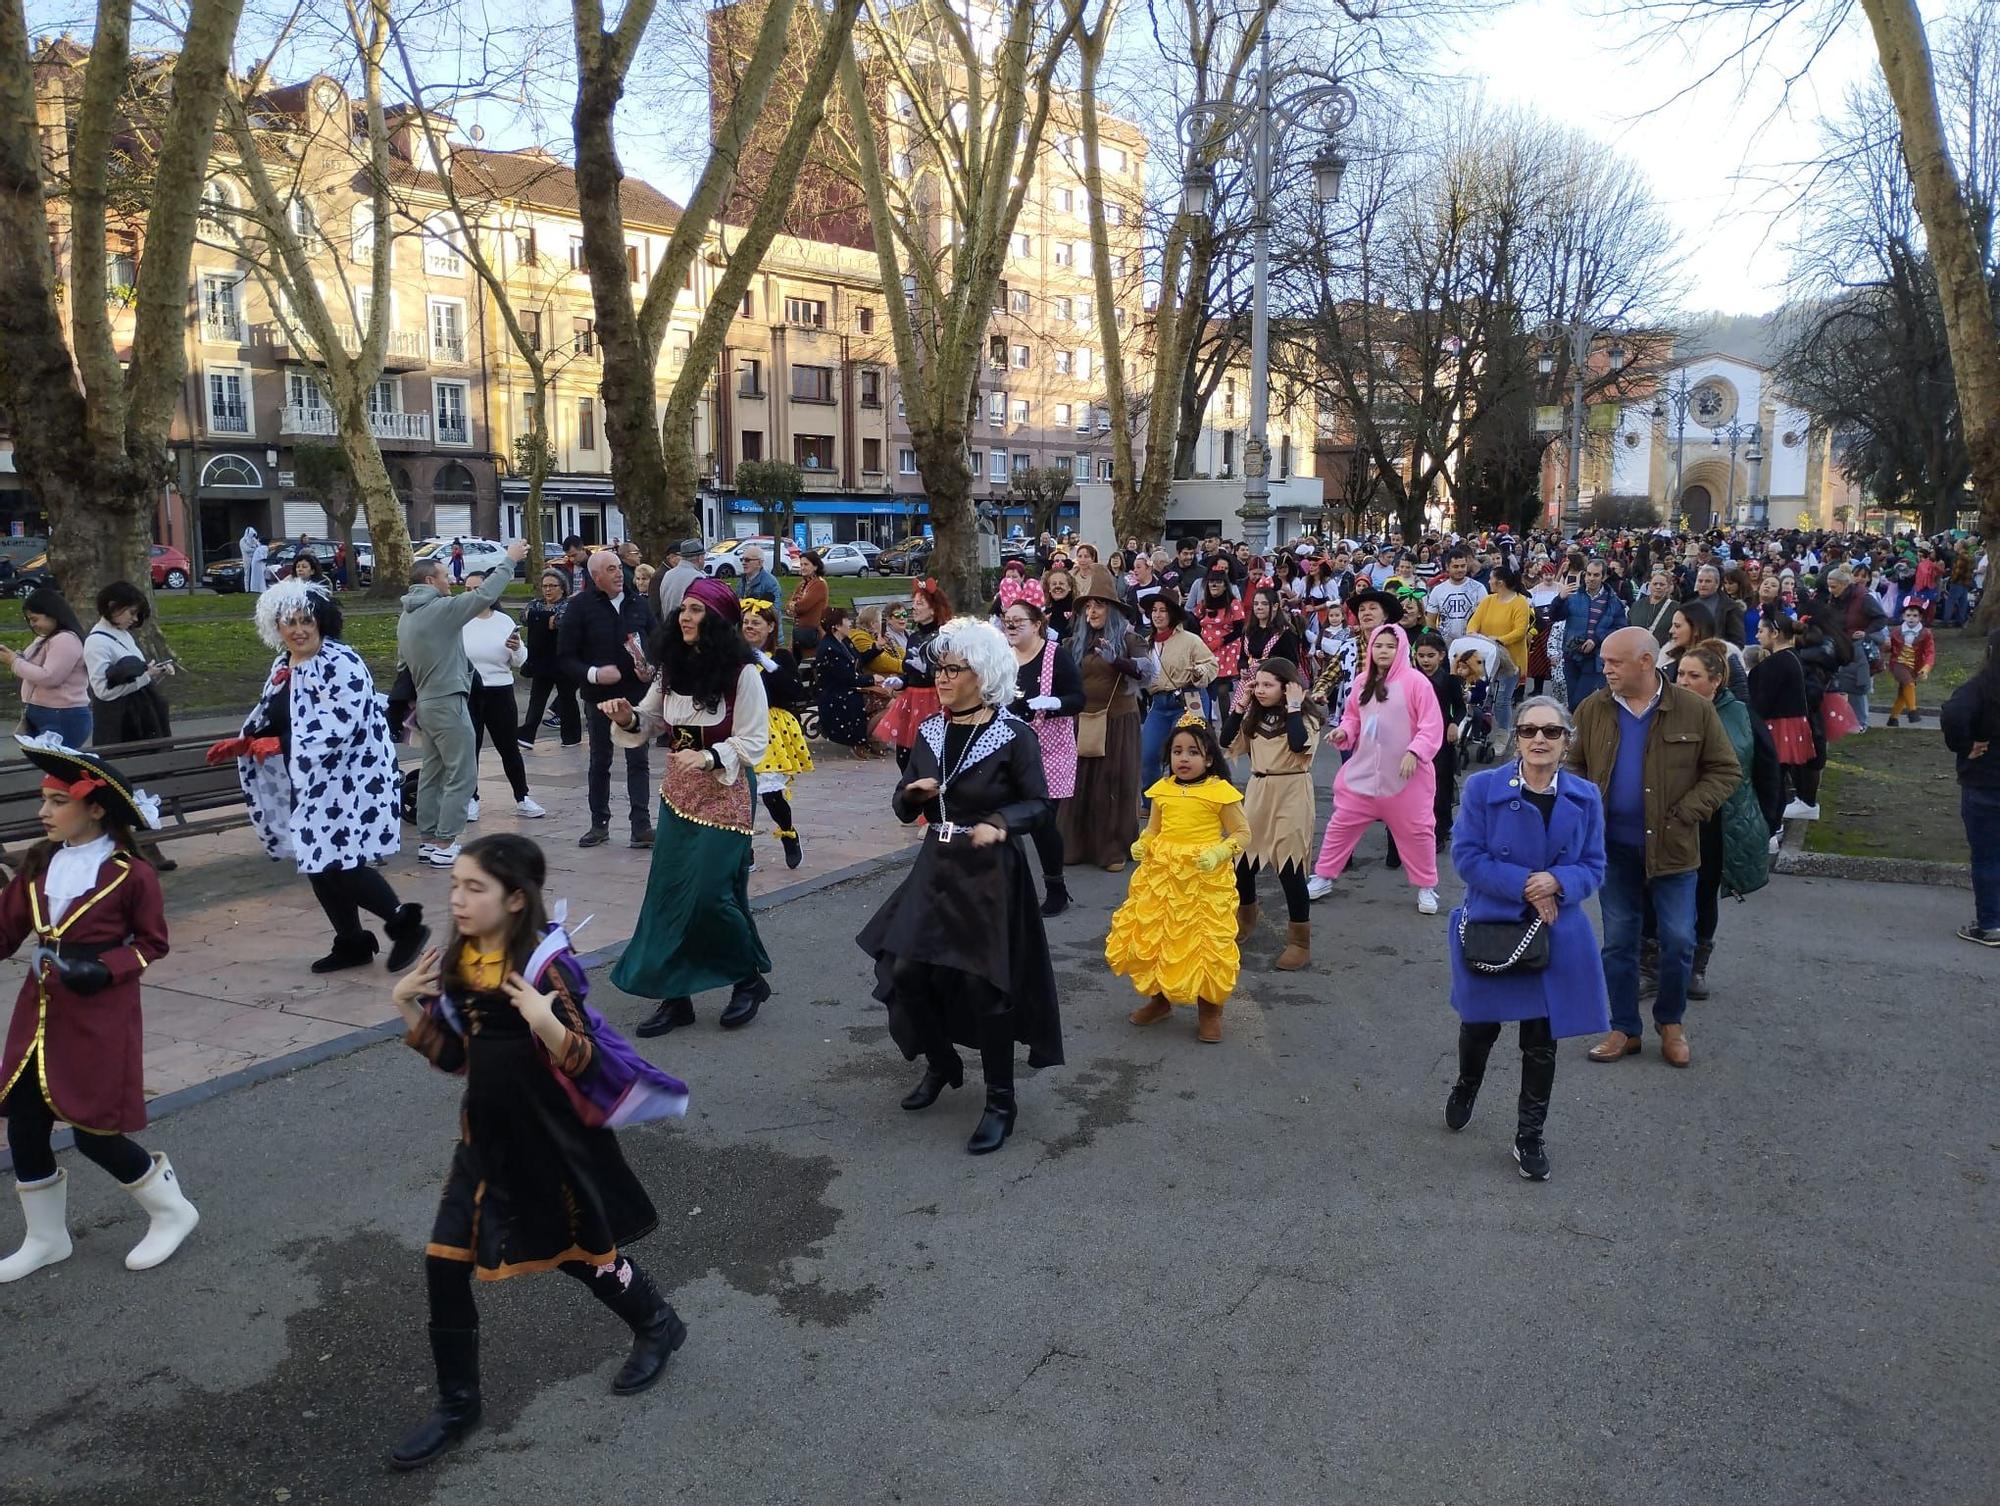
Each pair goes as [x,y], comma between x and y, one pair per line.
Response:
[537,1181]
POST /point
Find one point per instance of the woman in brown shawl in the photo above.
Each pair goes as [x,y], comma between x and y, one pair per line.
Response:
[1101,820]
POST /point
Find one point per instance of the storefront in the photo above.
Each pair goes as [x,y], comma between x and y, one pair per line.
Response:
[817,521]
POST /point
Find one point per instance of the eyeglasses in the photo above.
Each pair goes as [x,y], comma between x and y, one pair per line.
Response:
[1552,732]
[949,671]
[1017,622]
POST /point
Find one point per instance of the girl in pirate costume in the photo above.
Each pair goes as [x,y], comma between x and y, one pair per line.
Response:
[960,955]
[788,753]
[537,1180]
[74,1048]
[695,930]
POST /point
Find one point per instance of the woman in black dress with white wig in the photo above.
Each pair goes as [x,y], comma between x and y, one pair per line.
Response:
[960,955]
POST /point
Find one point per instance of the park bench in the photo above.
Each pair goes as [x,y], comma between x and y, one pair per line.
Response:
[195,799]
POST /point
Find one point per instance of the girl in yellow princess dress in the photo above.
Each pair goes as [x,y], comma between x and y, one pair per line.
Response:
[1175,935]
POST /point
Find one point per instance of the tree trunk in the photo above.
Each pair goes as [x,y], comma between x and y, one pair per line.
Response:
[954,555]
[1970,328]
[375,496]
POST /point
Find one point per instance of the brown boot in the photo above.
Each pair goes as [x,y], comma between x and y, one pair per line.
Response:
[1152,1011]
[1246,922]
[1673,1045]
[1298,947]
[1614,1047]
[1209,1030]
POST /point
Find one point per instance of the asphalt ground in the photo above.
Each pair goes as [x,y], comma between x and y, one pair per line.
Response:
[1259,1272]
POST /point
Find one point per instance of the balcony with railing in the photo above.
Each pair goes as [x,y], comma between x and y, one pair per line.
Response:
[399,345]
[222,328]
[447,347]
[300,418]
[454,431]
[228,418]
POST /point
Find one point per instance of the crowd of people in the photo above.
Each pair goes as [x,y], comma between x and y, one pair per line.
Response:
[1628,717]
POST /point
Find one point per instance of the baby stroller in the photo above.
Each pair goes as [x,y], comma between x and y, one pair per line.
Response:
[1475,732]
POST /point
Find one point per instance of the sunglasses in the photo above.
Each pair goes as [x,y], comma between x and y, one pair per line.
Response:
[1551,732]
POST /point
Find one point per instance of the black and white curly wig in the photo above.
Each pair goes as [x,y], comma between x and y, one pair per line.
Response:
[295,601]
[985,653]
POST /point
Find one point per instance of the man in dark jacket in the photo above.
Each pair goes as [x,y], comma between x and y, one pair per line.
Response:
[599,649]
[1590,616]
[1659,756]
[1971,722]
[1725,609]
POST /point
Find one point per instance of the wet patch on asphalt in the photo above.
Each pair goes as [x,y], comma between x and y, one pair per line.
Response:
[1105,1093]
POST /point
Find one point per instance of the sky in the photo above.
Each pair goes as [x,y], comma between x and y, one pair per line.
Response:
[1723,159]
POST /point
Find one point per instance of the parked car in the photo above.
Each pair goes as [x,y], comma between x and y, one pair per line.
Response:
[911,557]
[843,559]
[28,574]
[870,548]
[482,556]
[172,569]
[726,558]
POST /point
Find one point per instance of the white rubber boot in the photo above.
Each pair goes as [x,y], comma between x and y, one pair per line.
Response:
[45,1208]
[173,1216]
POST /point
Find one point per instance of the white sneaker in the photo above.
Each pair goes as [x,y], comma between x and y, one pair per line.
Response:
[1798,810]
[1318,888]
[472,809]
[1427,902]
[1777,841]
[442,857]
[526,806]
[424,852]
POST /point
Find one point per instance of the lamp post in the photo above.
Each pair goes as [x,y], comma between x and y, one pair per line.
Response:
[1581,337]
[1739,432]
[1675,399]
[1309,98]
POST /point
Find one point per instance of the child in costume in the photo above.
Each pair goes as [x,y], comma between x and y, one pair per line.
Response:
[75,1050]
[1912,654]
[537,1181]
[1451,687]
[916,692]
[787,752]
[1279,733]
[1390,731]
[1175,935]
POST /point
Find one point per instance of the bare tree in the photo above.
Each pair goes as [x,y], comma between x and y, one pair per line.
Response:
[91,429]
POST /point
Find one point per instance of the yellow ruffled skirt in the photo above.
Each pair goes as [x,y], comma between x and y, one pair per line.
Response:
[786,752]
[1175,935]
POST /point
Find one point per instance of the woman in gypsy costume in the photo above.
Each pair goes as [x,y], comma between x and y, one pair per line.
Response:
[1098,823]
[960,955]
[1048,693]
[319,775]
[695,930]
[787,753]
[916,698]
[537,1180]
[1279,732]
[75,1047]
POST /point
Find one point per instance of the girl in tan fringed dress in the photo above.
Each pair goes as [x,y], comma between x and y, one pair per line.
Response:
[1279,732]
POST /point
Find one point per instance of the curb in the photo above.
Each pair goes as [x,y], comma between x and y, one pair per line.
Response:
[1871,870]
[370,1035]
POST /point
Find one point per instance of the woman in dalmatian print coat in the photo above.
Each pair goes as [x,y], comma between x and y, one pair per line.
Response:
[319,775]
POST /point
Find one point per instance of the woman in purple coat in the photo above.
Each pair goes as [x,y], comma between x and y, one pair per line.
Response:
[1528,843]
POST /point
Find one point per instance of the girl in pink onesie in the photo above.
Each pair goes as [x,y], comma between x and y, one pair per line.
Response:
[1390,731]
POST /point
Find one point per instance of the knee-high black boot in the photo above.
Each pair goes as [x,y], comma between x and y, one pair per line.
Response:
[657,1330]
[1475,1044]
[456,1351]
[1538,1082]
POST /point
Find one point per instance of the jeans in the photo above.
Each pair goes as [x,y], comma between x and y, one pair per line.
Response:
[638,776]
[1581,679]
[1980,810]
[1858,700]
[1957,608]
[1156,734]
[1506,679]
[73,722]
[450,770]
[1622,904]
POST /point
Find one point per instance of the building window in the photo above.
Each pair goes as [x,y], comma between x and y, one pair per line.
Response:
[576,262]
[582,335]
[749,378]
[975,464]
[1021,409]
[1118,316]
[750,305]
[531,328]
[1117,266]
[440,255]
[524,248]
[1000,297]
[1064,254]
[906,462]
[1083,362]
[1083,419]
[680,350]
[1082,470]
[812,452]
[299,215]
[864,321]
[1020,355]
[1112,159]
[1019,301]
[230,470]
[1229,397]
[871,387]
[1114,214]
[1104,468]
[996,408]
[999,467]
[1062,464]
[531,406]
[1284,457]
[218,210]
[1023,462]
[228,400]
[753,444]
[632,263]
[1062,199]
[1228,452]
[812,384]
[1062,415]
[449,401]
[385,397]
[1063,307]
[447,329]
[221,310]
[1064,361]
[586,423]
[810,312]
[996,352]
[871,456]
[302,390]
[1022,244]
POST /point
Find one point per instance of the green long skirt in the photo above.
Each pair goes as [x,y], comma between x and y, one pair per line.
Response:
[695,930]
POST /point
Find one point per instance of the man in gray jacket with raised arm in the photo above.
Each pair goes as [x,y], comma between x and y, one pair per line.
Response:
[429,644]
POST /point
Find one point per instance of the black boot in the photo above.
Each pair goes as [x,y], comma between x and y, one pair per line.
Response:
[657,1330]
[671,1015]
[348,951]
[995,1125]
[794,853]
[456,1351]
[1698,975]
[930,1087]
[743,1002]
[1473,1049]
[1538,1081]
[1057,899]
[407,934]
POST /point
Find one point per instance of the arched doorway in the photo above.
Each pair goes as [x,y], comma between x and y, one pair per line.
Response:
[1698,506]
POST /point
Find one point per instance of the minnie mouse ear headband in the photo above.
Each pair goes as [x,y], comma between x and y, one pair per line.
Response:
[85,776]
[1013,589]
[717,597]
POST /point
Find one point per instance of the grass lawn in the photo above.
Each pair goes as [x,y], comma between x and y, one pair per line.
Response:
[1893,793]
[223,663]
